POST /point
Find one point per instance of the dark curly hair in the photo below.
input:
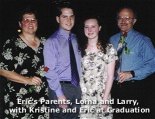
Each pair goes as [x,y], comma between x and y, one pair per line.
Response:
[102,42]
[28,10]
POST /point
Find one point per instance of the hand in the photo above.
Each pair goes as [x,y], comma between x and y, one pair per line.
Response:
[35,81]
[105,106]
[60,99]
[124,76]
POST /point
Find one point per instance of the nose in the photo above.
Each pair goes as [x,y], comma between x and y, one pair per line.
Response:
[30,21]
[69,19]
[89,29]
[123,20]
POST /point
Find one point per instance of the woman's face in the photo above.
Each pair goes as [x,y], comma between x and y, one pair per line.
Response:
[91,28]
[29,24]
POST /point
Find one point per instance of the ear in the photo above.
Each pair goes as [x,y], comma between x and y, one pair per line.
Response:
[19,24]
[57,19]
[100,28]
[134,21]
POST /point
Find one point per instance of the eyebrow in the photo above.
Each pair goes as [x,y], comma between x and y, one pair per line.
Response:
[68,15]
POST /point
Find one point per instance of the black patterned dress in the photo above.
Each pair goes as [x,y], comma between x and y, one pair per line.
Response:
[24,101]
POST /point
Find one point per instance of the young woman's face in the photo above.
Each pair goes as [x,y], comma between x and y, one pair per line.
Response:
[29,23]
[91,28]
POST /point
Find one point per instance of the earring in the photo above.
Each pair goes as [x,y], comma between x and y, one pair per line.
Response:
[19,30]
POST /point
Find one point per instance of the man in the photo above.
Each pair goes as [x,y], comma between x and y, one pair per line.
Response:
[60,68]
[136,62]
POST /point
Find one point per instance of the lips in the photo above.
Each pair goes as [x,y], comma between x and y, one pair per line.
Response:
[90,34]
[30,27]
[68,24]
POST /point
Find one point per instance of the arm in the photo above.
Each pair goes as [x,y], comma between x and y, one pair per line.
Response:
[7,65]
[148,55]
[50,59]
[108,86]
[111,67]
[112,57]
[13,76]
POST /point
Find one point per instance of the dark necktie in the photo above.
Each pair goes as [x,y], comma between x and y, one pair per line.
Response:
[74,71]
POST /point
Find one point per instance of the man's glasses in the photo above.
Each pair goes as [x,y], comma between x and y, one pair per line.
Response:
[128,19]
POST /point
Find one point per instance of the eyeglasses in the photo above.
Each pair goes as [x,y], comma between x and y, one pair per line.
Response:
[26,21]
[128,19]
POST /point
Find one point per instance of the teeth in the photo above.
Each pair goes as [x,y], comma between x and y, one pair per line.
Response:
[90,33]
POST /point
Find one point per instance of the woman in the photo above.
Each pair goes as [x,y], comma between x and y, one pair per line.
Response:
[22,63]
[98,64]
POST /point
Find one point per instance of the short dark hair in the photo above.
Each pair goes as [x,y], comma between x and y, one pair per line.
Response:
[130,9]
[61,6]
[27,10]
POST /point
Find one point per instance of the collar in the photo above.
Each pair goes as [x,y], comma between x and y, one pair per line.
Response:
[63,33]
[129,32]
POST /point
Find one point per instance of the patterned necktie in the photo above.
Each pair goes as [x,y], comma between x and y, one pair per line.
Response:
[121,46]
[74,71]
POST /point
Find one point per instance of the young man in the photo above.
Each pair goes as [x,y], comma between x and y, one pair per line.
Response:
[58,56]
[136,62]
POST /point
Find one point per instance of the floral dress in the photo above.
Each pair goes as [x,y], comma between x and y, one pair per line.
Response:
[93,81]
[24,101]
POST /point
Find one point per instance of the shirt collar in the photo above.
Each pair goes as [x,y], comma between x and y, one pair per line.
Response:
[129,32]
[63,33]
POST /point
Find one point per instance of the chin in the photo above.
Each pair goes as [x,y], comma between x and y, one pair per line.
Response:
[124,30]
[68,29]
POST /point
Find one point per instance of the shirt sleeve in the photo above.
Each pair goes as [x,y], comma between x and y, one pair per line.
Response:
[50,59]
[7,60]
[111,53]
[147,52]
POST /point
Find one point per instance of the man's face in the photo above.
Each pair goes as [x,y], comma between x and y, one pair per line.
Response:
[66,19]
[125,20]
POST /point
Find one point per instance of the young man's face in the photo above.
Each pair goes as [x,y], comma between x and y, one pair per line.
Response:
[66,19]
[125,20]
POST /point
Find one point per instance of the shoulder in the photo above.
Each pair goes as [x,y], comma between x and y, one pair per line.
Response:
[52,38]
[109,47]
[141,38]
[114,38]
[42,40]
[10,41]
[111,54]
[73,35]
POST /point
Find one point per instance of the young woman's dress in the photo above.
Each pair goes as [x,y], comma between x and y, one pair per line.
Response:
[93,81]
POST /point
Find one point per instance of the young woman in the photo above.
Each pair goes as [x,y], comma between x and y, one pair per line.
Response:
[98,64]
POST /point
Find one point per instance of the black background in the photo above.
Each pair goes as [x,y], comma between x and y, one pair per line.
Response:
[105,8]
